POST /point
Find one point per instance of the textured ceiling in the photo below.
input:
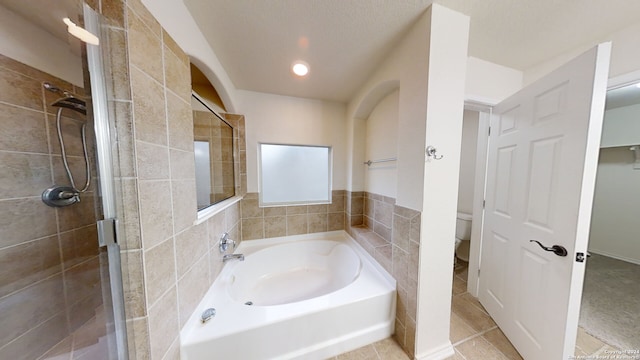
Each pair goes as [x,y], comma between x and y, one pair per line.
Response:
[344,40]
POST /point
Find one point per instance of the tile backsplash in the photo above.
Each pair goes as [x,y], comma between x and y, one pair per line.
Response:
[267,222]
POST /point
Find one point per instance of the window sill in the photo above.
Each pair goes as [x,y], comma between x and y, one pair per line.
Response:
[207,213]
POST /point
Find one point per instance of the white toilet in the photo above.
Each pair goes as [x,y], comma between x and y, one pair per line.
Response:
[463,235]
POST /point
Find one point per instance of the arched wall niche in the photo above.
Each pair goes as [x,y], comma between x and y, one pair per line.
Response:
[374,96]
[220,95]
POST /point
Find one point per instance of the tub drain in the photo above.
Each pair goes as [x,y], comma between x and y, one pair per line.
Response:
[249,303]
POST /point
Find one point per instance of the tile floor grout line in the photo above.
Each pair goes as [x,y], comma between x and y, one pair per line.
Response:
[475,336]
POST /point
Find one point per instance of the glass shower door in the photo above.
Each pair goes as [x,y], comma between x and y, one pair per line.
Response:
[60,282]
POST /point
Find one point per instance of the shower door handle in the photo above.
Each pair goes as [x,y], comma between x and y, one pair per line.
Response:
[556,249]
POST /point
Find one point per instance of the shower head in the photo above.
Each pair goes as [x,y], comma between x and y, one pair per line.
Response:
[69,100]
[73,103]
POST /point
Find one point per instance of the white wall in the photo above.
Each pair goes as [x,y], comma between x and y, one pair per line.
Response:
[625,55]
[490,83]
[468,161]
[178,22]
[33,46]
[614,226]
[621,126]
[382,143]
[290,120]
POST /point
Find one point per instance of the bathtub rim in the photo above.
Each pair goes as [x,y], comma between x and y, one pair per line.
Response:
[191,331]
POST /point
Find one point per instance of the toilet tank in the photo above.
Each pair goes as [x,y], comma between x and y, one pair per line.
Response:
[463,226]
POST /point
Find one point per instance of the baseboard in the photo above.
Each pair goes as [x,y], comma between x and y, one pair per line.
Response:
[617,257]
[440,353]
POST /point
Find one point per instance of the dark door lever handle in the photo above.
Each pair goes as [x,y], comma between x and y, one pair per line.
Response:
[556,249]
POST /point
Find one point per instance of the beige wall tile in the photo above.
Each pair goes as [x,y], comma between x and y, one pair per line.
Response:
[83,281]
[182,164]
[275,226]
[217,226]
[337,204]
[138,338]
[118,85]
[124,154]
[357,205]
[177,74]
[250,209]
[335,221]
[79,245]
[147,18]
[384,255]
[414,260]
[113,11]
[175,48]
[317,209]
[152,160]
[401,230]
[28,263]
[296,224]
[232,216]
[36,341]
[23,130]
[145,48]
[296,210]
[133,284]
[160,270]
[30,307]
[148,109]
[164,325]
[180,120]
[155,212]
[191,245]
[275,211]
[383,213]
[24,175]
[382,230]
[399,268]
[18,89]
[192,288]
[16,222]
[252,228]
[130,215]
[184,204]
[317,222]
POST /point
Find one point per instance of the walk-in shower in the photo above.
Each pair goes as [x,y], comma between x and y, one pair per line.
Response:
[58,196]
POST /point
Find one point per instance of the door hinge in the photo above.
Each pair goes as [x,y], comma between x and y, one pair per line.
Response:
[483,203]
[106,232]
[489,131]
[580,257]
[478,272]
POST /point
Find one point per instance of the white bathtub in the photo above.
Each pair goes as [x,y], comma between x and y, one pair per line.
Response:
[312,297]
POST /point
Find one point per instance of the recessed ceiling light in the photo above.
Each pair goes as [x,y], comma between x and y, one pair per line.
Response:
[300,68]
[638,85]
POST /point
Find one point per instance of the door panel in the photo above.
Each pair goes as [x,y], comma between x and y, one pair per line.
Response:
[540,179]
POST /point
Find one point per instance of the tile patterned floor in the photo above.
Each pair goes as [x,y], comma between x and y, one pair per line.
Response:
[474,335]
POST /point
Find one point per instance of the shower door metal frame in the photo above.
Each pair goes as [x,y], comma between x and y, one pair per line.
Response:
[106,227]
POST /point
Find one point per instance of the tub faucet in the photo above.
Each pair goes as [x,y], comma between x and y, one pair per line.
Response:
[228,257]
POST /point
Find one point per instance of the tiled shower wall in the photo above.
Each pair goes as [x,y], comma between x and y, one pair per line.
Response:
[50,283]
[168,262]
[275,221]
[391,234]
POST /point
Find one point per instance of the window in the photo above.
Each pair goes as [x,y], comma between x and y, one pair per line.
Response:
[294,174]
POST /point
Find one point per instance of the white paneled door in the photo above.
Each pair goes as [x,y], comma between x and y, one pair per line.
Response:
[543,154]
